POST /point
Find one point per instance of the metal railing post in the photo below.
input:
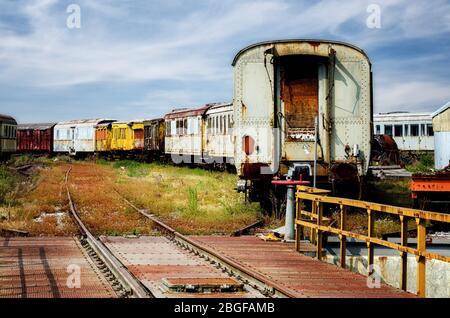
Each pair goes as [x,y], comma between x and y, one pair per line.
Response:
[343,238]
[319,232]
[370,247]
[298,229]
[403,255]
[421,247]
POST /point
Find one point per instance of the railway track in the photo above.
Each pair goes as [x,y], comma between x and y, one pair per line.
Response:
[123,282]
[248,277]
[128,285]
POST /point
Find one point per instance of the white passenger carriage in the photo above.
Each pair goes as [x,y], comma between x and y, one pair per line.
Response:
[76,136]
[219,146]
[411,131]
[184,131]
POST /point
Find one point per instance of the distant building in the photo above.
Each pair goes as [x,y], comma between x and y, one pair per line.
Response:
[411,131]
[441,126]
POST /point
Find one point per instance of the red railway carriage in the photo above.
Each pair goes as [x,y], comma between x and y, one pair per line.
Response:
[35,137]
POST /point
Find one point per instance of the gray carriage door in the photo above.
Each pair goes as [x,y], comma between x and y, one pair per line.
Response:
[72,139]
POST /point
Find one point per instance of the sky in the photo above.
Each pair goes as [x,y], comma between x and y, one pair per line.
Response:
[143,58]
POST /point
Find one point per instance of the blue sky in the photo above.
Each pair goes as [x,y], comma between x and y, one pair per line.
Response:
[142,58]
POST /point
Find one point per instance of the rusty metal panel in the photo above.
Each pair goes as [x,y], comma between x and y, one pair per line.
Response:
[41,268]
[154,134]
[138,136]
[160,264]
[300,274]
[299,92]
[35,137]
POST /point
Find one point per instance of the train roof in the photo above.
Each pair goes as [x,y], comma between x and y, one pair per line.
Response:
[401,116]
[220,105]
[7,119]
[153,120]
[313,42]
[35,126]
[85,122]
[441,110]
[129,122]
[188,112]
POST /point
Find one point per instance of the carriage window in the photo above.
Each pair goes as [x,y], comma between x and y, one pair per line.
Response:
[224,124]
[406,130]
[388,130]
[185,125]
[168,126]
[415,130]
[422,130]
[197,124]
[378,129]
[430,131]
[398,130]
[229,121]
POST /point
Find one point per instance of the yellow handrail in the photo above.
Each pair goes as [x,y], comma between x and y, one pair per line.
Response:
[315,217]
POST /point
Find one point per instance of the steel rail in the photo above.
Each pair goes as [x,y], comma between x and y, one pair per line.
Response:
[131,284]
[258,281]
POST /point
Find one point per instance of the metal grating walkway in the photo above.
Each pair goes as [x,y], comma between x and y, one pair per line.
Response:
[302,275]
[40,268]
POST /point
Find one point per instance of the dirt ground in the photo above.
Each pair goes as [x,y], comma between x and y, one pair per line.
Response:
[193,201]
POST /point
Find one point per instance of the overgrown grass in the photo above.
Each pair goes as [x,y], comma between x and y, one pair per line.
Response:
[39,194]
[192,200]
[132,168]
[8,184]
[389,191]
[424,164]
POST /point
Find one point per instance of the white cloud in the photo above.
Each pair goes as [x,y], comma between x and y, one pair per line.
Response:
[411,96]
[134,41]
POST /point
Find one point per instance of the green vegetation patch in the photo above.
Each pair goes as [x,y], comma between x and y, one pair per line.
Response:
[9,181]
[132,168]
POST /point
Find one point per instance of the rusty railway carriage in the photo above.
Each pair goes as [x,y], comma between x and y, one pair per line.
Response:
[8,134]
[76,136]
[35,138]
[218,136]
[184,134]
[154,135]
[280,89]
[103,137]
[127,136]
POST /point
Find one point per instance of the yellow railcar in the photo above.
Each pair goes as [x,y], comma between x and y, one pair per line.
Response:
[127,136]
